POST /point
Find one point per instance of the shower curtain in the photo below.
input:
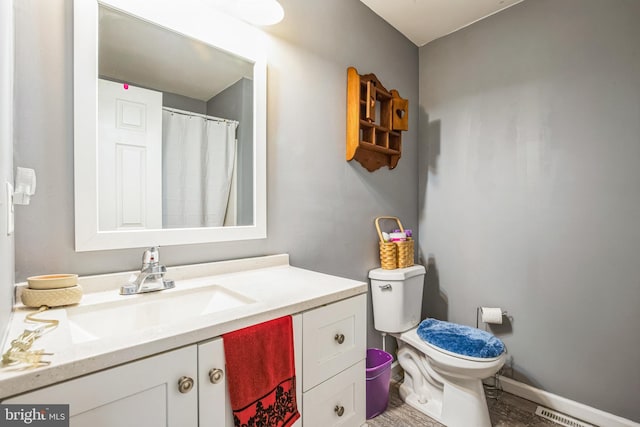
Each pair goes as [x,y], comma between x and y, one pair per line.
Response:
[198,157]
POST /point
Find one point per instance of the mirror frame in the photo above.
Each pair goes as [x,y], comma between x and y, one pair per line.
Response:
[192,18]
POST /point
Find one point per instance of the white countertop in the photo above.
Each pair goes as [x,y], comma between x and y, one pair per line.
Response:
[277,288]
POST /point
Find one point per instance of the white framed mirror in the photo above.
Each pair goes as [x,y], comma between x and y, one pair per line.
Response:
[169,125]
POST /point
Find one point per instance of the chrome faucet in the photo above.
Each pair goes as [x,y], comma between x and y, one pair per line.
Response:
[151,275]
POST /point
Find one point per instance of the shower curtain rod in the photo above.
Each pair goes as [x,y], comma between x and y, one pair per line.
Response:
[204,116]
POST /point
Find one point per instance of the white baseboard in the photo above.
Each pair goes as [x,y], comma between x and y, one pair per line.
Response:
[564,405]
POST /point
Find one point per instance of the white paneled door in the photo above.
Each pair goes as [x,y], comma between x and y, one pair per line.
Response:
[129,157]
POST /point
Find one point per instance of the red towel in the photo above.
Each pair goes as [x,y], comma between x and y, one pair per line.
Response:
[261,374]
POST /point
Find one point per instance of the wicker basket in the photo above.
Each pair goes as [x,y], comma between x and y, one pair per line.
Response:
[405,253]
[394,254]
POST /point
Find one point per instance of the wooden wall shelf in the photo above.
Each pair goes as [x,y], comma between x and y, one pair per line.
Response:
[375,119]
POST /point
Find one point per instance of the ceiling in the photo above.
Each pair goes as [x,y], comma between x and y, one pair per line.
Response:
[135,51]
[422,21]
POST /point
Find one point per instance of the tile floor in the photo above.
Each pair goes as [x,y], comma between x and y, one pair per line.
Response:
[507,411]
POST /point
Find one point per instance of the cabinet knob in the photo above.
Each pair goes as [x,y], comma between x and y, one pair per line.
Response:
[216,375]
[339,338]
[185,384]
[339,410]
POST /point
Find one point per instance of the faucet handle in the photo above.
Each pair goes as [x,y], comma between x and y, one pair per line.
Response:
[151,256]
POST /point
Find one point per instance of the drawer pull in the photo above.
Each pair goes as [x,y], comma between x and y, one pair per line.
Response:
[216,375]
[185,384]
[339,410]
[339,338]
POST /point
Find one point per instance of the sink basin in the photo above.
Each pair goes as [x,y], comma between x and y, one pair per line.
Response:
[88,323]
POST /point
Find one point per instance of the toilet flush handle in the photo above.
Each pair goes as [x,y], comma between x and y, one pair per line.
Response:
[386,287]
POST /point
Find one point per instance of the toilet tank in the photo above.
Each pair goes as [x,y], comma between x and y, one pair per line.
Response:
[397,298]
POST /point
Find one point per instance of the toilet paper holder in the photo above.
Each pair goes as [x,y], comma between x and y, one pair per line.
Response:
[479,310]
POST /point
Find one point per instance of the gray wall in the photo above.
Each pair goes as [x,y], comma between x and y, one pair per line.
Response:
[529,190]
[181,102]
[236,103]
[320,208]
[6,160]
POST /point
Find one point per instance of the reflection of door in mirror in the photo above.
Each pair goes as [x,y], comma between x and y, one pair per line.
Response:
[162,167]
[130,157]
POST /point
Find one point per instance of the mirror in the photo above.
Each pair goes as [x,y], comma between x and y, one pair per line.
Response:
[169,129]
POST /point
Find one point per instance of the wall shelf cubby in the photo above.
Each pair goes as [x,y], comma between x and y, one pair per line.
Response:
[375,119]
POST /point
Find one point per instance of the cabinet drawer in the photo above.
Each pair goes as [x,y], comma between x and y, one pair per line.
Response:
[340,401]
[333,339]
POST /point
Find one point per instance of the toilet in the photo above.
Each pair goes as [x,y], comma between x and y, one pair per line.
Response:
[445,385]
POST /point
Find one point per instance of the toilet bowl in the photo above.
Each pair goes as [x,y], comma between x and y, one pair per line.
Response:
[445,385]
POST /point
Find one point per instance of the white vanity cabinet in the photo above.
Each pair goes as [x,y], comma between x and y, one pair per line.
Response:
[333,357]
[144,393]
[187,387]
[181,388]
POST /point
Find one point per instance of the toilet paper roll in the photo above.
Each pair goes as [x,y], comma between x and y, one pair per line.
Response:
[491,315]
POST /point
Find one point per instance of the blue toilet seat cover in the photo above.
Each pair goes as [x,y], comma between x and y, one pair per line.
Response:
[460,339]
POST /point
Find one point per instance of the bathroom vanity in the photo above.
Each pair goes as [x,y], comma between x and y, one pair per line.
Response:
[158,359]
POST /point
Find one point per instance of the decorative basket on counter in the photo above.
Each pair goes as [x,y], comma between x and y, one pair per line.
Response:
[394,254]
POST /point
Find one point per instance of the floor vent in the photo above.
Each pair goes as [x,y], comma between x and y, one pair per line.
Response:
[560,418]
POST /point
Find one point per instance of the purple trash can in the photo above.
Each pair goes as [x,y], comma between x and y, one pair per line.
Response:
[378,378]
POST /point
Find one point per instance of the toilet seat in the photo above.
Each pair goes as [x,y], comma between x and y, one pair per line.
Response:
[444,359]
[419,343]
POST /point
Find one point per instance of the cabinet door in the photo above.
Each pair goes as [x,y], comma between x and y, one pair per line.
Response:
[337,402]
[334,339]
[213,390]
[297,344]
[141,394]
